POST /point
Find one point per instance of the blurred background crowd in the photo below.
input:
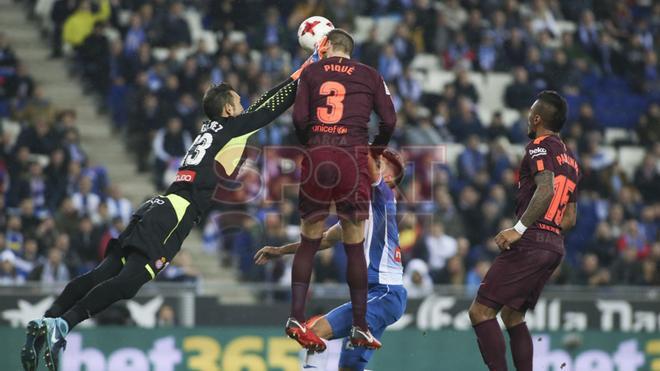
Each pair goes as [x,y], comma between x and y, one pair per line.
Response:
[462,74]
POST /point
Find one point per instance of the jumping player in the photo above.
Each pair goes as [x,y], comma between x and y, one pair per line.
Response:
[534,247]
[387,296]
[160,225]
[331,113]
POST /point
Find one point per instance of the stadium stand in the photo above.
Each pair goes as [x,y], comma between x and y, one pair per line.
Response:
[461,75]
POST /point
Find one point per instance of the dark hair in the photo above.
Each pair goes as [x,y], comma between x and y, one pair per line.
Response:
[396,160]
[341,40]
[553,110]
[215,100]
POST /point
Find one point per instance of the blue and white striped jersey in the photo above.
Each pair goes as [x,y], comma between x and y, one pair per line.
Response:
[381,245]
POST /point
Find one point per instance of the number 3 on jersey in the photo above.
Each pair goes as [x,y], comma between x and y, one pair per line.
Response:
[335,93]
[197,150]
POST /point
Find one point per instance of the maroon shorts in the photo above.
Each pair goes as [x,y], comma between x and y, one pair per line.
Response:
[518,275]
[335,174]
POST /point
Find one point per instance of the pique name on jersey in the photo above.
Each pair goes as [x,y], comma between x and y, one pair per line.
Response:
[339,68]
[212,126]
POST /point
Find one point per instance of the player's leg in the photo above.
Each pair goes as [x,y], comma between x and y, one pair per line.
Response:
[489,336]
[542,263]
[134,274]
[81,285]
[484,309]
[74,290]
[310,240]
[356,270]
[124,285]
[520,340]
[301,273]
[314,203]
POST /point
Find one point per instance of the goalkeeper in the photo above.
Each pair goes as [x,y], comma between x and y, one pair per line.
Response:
[159,227]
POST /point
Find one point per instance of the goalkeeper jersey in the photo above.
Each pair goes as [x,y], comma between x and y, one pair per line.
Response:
[223,142]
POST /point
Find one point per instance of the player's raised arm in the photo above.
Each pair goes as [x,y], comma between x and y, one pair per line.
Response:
[271,104]
[266,109]
[384,108]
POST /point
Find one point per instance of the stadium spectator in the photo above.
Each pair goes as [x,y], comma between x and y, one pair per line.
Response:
[453,273]
[520,91]
[170,145]
[325,269]
[417,280]
[439,248]
[591,273]
[476,275]
[627,270]
[472,160]
[389,64]
[118,205]
[648,128]
[28,259]
[8,273]
[166,316]
[85,201]
[81,22]
[53,270]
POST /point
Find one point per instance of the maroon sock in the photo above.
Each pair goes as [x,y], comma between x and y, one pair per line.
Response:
[303,262]
[491,344]
[356,276]
[522,348]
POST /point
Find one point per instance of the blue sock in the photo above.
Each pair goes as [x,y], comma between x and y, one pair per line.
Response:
[62,326]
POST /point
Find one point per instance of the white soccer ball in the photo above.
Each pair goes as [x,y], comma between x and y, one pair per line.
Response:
[312,30]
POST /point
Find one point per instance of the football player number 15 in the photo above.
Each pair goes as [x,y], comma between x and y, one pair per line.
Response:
[564,188]
[334,111]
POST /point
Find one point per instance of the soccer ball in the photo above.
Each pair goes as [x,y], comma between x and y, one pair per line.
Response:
[312,30]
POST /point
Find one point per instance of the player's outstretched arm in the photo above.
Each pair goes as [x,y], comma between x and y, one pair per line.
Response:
[266,109]
[330,238]
[537,207]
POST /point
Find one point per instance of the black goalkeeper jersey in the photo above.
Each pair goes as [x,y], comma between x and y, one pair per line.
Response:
[223,142]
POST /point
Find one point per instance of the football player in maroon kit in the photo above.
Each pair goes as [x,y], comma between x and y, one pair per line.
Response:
[534,247]
[333,105]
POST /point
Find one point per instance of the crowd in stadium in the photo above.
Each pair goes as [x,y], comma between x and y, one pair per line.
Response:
[142,61]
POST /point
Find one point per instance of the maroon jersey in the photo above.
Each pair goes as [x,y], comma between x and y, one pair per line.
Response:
[548,153]
[335,99]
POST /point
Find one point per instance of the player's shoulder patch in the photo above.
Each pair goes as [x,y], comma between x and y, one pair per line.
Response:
[537,151]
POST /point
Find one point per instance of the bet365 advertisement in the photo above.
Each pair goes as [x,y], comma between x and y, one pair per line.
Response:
[265,349]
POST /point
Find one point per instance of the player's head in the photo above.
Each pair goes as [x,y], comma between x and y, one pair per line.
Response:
[221,100]
[340,43]
[547,112]
[392,168]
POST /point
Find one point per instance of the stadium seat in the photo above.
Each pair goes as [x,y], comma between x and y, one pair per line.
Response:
[614,135]
[630,157]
